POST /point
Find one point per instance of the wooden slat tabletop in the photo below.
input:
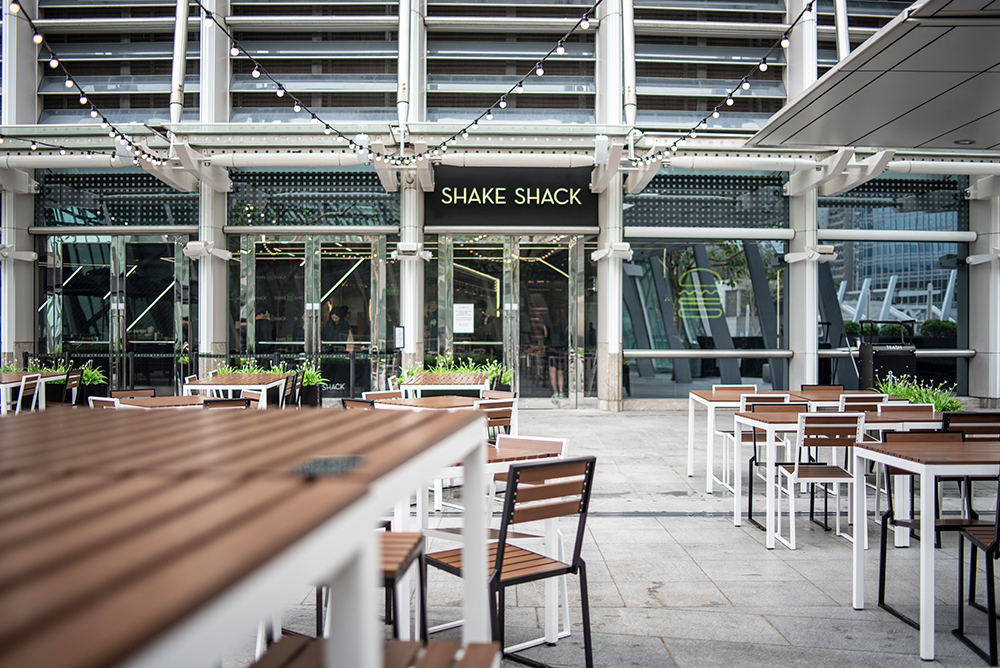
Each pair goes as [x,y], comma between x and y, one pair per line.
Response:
[241,443]
[777,416]
[8,377]
[163,402]
[261,378]
[728,396]
[969,452]
[88,579]
[440,403]
[428,379]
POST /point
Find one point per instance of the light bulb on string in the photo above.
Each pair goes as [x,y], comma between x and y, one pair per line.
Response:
[34,146]
[255,73]
[15,7]
[560,49]
[340,137]
[673,148]
[692,134]
[327,130]
[465,134]
[785,42]
[807,12]
[37,38]
[296,107]
[729,101]
[234,50]
[280,92]
[715,113]
[104,122]
[93,112]
[83,99]
[453,140]
[745,85]
[68,83]
[53,62]
[489,115]
[519,88]
[539,70]
[62,150]
[475,124]
[763,65]
[503,102]
[585,22]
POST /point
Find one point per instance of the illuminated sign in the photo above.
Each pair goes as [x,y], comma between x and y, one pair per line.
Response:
[542,197]
[699,294]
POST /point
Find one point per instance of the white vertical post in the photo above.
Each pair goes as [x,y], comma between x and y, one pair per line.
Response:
[476,603]
[352,638]
[411,274]
[984,302]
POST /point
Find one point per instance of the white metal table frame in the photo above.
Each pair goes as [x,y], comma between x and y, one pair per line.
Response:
[5,390]
[415,390]
[711,407]
[344,554]
[927,472]
[188,388]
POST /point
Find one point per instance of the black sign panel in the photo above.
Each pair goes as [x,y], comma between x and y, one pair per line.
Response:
[500,196]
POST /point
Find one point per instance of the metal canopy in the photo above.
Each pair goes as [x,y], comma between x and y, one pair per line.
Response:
[930,79]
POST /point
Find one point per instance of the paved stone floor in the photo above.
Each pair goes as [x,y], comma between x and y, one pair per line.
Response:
[674,583]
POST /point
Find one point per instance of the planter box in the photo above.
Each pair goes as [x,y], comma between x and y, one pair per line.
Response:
[86,391]
[310,395]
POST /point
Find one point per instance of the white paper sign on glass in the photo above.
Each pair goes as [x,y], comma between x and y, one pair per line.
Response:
[400,337]
[465,319]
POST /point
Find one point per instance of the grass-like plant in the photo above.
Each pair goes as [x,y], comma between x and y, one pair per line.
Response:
[312,376]
[916,392]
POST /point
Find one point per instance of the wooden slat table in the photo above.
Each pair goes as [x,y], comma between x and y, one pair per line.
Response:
[929,461]
[149,403]
[159,538]
[427,403]
[11,380]
[235,382]
[414,385]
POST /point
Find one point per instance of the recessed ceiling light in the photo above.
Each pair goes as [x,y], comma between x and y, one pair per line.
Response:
[965,142]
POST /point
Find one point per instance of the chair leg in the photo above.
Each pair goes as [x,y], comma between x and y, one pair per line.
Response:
[791,512]
[422,595]
[882,554]
[585,609]
[319,611]
[961,582]
[991,603]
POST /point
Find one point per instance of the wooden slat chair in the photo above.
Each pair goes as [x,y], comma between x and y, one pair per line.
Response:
[27,397]
[535,492]
[729,435]
[103,402]
[853,403]
[822,388]
[358,404]
[300,374]
[497,394]
[288,387]
[192,378]
[889,518]
[983,425]
[74,378]
[747,388]
[987,539]
[917,412]
[217,403]
[818,430]
[384,394]
[295,651]
[499,415]
[254,398]
[131,394]
[756,438]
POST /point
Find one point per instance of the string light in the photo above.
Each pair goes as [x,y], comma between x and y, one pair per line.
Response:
[53,62]
[37,38]
[234,50]
[585,21]
[15,7]
[519,88]
[489,115]
[763,65]
[785,42]
[68,83]
[296,107]
[503,102]
[539,70]
[83,100]
[745,85]
[256,73]
[280,92]
[560,49]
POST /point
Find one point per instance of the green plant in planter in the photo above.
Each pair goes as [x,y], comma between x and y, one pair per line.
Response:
[938,328]
[92,375]
[890,329]
[9,367]
[916,392]
[311,376]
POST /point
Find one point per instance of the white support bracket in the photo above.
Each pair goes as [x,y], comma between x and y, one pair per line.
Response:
[16,181]
[802,182]
[387,175]
[857,173]
[176,177]
[636,181]
[984,188]
[424,172]
[602,174]
[217,178]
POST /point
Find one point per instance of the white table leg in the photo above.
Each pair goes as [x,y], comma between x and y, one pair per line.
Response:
[263,396]
[901,508]
[351,631]
[769,469]
[476,606]
[40,391]
[690,436]
[709,449]
[552,584]
[926,567]
[738,473]
[858,589]
[5,400]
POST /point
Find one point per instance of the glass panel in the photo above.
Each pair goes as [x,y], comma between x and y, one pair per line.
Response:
[544,315]
[477,305]
[674,300]
[149,312]
[280,297]
[127,197]
[345,315]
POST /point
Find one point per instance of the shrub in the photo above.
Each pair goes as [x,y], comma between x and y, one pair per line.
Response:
[917,392]
[890,329]
[941,328]
[854,328]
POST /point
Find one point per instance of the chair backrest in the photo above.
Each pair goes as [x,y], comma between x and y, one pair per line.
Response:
[979,425]
[757,399]
[28,392]
[749,389]
[214,403]
[128,394]
[499,413]
[556,446]
[361,404]
[825,430]
[547,490]
[74,378]
[784,407]
[914,409]
[496,394]
[254,399]
[194,377]
[861,402]
[393,382]
[923,436]
[212,373]
[385,394]
[289,387]
[103,402]
[823,388]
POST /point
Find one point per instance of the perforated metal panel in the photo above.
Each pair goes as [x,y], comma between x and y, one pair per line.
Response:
[311,198]
[101,198]
[691,199]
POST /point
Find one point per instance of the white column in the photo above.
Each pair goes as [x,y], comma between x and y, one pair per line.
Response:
[17,211]
[213,272]
[609,78]
[803,277]
[411,273]
[984,302]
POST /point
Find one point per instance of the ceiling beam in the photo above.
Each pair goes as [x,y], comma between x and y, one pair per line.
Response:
[16,181]
[602,174]
[424,171]
[802,182]
[388,176]
[638,180]
[217,178]
[857,172]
